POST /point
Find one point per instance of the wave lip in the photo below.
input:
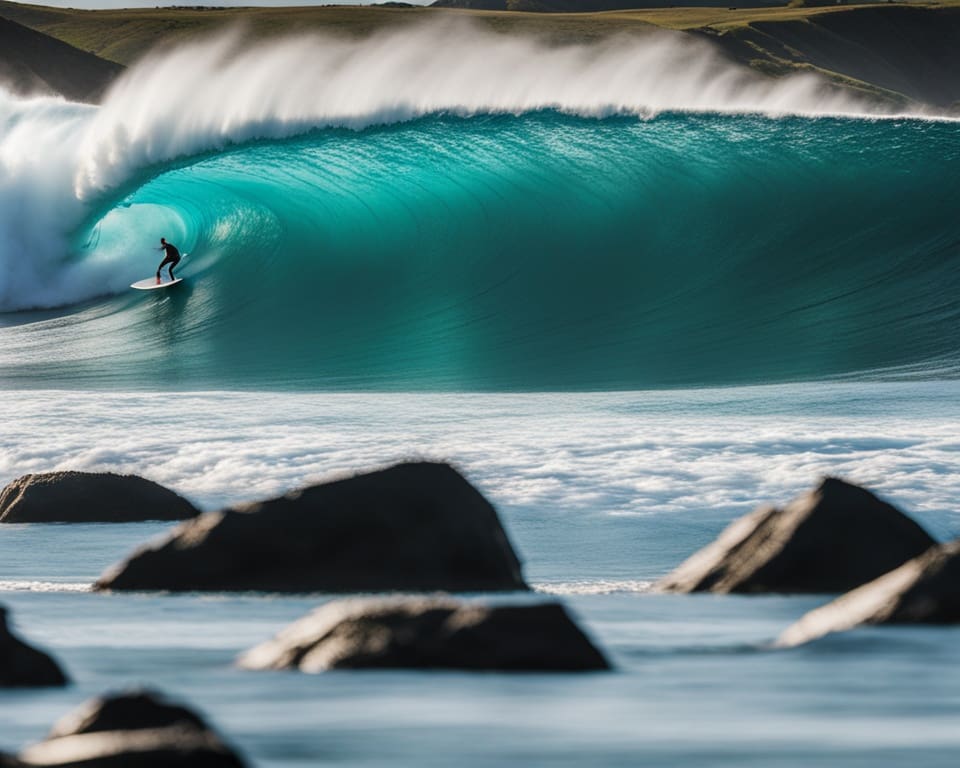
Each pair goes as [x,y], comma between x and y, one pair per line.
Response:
[226,92]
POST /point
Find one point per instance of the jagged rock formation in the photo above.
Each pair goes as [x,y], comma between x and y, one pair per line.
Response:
[411,527]
[925,590]
[831,539]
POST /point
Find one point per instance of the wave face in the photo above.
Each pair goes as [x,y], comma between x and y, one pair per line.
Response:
[576,233]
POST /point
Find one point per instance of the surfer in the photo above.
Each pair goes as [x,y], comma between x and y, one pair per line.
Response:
[171,257]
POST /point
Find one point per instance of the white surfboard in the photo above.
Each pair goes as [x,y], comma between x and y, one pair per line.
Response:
[151,284]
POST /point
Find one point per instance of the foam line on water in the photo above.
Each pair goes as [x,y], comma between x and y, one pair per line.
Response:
[43,586]
[600,587]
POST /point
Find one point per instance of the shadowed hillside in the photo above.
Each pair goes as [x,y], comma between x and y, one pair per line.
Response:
[910,51]
[31,62]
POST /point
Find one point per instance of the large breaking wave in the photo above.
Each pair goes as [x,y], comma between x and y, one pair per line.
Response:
[456,209]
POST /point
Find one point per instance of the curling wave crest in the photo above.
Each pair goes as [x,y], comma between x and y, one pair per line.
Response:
[453,209]
[58,157]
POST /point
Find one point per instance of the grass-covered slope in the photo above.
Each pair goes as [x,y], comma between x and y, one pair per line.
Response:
[32,62]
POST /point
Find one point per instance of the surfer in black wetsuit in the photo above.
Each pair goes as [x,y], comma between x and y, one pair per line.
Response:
[171,257]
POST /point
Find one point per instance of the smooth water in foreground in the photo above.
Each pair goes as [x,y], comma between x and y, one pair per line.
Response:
[600,493]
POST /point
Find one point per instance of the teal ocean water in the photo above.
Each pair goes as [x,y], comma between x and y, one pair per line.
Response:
[629,290]
[450,209]
[532,252]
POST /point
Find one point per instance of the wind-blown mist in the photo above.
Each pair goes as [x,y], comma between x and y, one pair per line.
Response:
[450,208]
[203,96]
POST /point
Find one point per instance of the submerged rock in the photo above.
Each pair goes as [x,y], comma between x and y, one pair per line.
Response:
[831,539]
[22,666]
[132,730]
[417,526]
[925,590]
[431,633]
[90,497]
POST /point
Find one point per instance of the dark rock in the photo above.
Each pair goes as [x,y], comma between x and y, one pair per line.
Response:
[22,666]
[417,526]
[831,539]
[925,590]
[127,711]
[89,497]
[135,730]
[431,633]
[146,748]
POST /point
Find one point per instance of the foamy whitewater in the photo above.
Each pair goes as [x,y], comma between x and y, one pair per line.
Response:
[629,289]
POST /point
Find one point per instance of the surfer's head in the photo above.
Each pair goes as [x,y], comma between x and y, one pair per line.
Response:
[163,240]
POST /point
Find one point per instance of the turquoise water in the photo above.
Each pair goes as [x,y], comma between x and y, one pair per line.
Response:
[534,252]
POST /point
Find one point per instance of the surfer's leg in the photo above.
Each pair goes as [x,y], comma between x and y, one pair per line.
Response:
[162,265]
[175,262]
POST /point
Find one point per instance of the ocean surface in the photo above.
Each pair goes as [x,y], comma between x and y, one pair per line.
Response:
[533,252]
[631,291]
[600,493]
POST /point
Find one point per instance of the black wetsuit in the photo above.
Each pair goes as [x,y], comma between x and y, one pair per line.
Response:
[171,257]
